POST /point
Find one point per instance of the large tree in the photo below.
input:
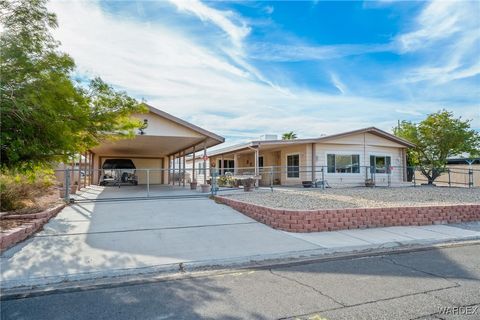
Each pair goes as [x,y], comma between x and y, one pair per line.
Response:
[437,138]
[45,115]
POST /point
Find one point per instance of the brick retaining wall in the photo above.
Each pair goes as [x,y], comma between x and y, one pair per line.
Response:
[33,223]
[353,218]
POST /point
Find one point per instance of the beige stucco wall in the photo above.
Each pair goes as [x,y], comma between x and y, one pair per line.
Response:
[363,145]
[364,152]
[368,138]
[156,165]
[304,157]
[158,126]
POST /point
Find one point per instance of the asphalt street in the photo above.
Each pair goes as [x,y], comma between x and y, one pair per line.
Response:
[433,284]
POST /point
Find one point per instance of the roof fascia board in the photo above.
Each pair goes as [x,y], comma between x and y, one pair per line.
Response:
[185,124]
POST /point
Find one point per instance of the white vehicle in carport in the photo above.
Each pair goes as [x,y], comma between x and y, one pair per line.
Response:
[118,171]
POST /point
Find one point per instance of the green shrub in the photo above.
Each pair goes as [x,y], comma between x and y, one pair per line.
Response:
[226,181]
[17,189]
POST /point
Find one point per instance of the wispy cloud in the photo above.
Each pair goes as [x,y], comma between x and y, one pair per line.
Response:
[223,19]
[218,86]
[337,83]
[450,32]
[268,9]
[439,20]
[409,112]
[301,52]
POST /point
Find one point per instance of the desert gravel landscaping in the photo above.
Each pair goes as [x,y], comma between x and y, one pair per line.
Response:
[359,197]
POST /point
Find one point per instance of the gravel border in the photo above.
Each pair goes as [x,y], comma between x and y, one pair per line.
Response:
[308,199]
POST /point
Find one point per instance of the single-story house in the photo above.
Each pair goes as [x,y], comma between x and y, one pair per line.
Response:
[347,158]
[161,147]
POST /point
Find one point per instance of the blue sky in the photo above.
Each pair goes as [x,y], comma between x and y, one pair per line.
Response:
[245,68]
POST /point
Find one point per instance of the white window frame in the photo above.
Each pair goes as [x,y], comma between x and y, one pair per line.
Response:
[286,165]
[380,155]
[225,169]
[344,153]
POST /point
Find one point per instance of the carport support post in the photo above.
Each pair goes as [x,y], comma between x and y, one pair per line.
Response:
[85,173]
[235,163]
[222,169]
[79,171]
[169,169]
[173,175]
[179,168]
[90,167]
[205,162]
[184,168]
[193,170]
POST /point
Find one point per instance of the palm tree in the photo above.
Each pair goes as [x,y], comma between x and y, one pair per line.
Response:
[289,136]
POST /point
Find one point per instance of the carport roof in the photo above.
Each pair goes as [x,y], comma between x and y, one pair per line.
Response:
[186,124]
[166,135]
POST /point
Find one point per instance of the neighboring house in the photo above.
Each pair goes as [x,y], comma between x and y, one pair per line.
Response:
[474,162]
[464,171]
[347,158]
[202,169]
[161,148]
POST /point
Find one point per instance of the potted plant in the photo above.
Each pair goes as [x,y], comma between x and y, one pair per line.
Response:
[369,183]
[193,185]
[307,184]
[248,184]
[205,187]
[73,187]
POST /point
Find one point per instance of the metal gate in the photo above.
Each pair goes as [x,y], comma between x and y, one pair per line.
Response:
[79,185]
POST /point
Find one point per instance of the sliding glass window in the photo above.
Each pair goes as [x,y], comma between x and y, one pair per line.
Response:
[343,163]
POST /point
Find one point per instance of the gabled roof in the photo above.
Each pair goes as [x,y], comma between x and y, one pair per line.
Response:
[185,124]
[256,143]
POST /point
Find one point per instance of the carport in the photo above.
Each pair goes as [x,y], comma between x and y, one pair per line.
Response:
[158,151]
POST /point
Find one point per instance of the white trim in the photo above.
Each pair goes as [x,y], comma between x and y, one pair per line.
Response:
[348,153]
[380,155]
[286,166]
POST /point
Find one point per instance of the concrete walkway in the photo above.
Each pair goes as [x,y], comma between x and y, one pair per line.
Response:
[105,239]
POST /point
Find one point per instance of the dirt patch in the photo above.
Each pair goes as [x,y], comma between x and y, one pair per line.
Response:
[11,223]
[45,201]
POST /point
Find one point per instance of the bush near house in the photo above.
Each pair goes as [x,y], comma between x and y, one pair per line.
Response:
[226,181]
[22,190]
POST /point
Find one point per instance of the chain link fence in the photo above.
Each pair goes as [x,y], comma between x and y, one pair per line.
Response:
[90,185]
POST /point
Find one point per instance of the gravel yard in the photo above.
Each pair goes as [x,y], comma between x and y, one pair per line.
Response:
[359,197]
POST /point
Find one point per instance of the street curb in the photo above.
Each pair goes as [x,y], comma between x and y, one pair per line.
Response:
[197,269]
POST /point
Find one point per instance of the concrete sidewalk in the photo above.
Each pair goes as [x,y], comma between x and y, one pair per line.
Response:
[98,240]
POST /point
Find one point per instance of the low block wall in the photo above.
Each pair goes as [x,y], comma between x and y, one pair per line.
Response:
[354,218]
[33,223]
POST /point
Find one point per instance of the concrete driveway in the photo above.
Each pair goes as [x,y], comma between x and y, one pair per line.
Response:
[93,240]
[96,239]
